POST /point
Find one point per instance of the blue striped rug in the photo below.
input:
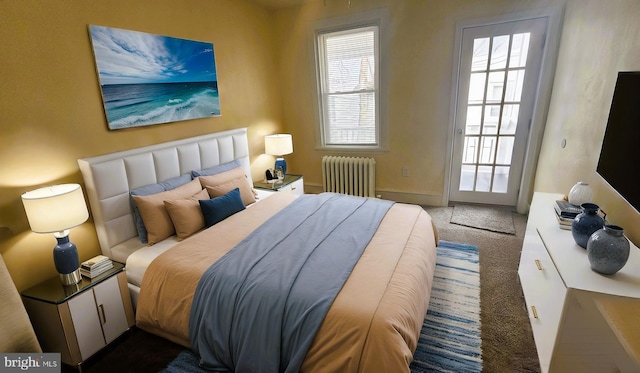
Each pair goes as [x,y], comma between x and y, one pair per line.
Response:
[450,336]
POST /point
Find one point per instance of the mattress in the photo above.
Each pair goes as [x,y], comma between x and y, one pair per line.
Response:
[139,261]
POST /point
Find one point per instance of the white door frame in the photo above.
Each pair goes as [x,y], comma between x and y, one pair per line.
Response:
[541,106]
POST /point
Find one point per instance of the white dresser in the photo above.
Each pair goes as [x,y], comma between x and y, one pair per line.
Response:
[576,314]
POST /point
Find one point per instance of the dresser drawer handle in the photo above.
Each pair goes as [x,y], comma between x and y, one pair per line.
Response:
[293,188]
[535,313]
[538,265]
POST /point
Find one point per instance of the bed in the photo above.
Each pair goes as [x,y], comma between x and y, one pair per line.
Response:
[371,323]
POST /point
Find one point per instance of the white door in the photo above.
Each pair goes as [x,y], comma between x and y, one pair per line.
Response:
[498,79]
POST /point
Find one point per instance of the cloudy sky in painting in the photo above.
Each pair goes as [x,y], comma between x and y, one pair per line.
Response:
[131,57]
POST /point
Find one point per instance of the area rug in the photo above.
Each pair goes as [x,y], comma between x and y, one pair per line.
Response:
[450,336]
[489,218]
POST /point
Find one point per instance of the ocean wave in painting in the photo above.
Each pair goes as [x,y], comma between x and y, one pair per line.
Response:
[133,105]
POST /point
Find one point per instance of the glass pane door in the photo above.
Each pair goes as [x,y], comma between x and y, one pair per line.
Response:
[496,92]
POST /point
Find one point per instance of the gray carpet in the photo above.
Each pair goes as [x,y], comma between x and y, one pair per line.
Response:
[507,340]
[489,218]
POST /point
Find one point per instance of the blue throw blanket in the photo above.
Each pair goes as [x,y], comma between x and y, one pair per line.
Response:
[258,308]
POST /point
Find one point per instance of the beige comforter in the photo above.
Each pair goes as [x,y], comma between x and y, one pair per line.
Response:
[374,322]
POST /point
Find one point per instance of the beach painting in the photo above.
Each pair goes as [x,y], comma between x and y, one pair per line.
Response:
[150,79]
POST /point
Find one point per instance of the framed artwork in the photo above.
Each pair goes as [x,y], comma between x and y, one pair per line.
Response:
[149,79]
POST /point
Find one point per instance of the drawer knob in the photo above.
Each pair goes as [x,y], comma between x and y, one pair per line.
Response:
[534,312]
[538,265]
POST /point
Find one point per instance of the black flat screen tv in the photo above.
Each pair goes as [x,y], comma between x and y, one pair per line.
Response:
[619,162]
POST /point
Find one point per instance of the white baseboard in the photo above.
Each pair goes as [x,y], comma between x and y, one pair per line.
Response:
[392,195]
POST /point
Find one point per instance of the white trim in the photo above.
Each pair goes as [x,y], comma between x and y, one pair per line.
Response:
[389,194]
[376,17]
[547,73]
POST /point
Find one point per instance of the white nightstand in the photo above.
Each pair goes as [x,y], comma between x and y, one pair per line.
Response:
[79,320]
[291,184]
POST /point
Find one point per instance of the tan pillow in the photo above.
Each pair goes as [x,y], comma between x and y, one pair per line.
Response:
[186,214]
[155,216]
[224,182]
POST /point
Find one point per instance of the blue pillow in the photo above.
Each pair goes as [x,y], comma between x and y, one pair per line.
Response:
[216,169]
[153,189]
[176,182]
[217,209]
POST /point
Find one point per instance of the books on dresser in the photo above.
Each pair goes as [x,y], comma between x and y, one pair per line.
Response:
[565,213]
[564,223]
[566,210]
[95,266]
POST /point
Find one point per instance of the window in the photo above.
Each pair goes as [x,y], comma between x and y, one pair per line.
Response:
[348,66]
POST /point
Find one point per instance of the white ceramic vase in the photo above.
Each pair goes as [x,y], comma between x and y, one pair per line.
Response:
[580,193]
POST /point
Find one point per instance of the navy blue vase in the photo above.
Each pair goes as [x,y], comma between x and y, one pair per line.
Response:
[586,223]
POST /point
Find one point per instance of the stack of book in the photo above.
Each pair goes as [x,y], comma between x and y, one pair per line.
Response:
[95,266]
[565,213]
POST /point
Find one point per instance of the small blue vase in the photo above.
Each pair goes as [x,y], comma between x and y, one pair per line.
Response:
[586,223]
[608,250]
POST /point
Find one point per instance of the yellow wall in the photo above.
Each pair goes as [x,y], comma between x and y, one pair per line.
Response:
[599,39]
[420,65]
[51,109]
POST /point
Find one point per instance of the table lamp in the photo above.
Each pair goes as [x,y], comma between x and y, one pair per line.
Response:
[56,209]
[279,145]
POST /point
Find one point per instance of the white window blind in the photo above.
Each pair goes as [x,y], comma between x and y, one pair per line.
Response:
[348,62]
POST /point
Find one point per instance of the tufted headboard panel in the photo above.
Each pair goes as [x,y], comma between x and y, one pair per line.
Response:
[109,178]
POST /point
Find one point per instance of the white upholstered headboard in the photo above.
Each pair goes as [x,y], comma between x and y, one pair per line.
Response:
[109,178]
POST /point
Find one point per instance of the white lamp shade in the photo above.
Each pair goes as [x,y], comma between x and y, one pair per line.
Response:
[55,208]
[280,144]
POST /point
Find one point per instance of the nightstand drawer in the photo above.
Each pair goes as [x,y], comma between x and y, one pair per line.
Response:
[296,187]
[291,184]
[77,321]
[96,327]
